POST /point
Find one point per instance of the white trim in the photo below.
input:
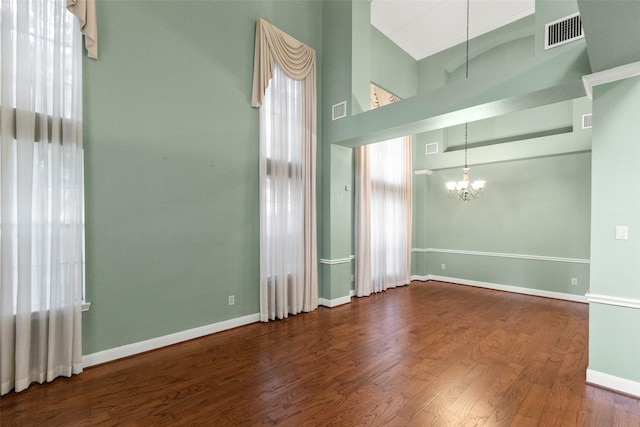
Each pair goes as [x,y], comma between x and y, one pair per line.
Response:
[608,76]
[86,306]
[154,343]
[503,255]
[334,302]
[423,172]
[612,382]
[337,261]
[618,301]
[507,288]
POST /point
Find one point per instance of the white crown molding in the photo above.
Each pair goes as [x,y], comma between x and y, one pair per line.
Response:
[506,288]
[612,382]
[423,172]
[503,255]
[154,343]
[608,76]
[337,261]
[617,301]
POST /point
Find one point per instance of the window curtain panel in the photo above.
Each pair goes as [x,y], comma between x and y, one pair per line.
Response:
[383,210]
[85,10]
[280,293]
[41,193]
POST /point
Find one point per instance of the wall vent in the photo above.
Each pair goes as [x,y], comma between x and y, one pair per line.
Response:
[339,111]
[431,148]
[563,31]
[587,121]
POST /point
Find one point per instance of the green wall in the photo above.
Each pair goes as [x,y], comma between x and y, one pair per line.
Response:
[172,164]
[492,55]
[343,71]
[614,336]
[537,207]
[392,68]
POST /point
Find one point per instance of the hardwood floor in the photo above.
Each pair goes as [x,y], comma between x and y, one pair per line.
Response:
[427,354]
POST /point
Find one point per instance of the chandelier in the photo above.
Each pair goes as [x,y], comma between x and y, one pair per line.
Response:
[465,190]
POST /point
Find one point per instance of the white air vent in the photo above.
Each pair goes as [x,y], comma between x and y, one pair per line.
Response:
[432,148]
[563,31]
[339,111]
[587,121]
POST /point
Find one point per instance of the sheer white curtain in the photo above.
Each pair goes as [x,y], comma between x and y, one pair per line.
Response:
[383,215]
[284,87]
[41,193]
[281,198]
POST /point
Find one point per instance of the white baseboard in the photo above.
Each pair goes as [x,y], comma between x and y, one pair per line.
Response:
[334,302]
[614,383]
[506,288]
[154,343]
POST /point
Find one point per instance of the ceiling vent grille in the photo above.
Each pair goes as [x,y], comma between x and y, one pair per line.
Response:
[339,111]
[587,121]
[431,148]
[563,31]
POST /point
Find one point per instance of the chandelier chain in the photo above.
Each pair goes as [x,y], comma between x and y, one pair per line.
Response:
[467,66]
[466,77]
[465,190]
[465,145]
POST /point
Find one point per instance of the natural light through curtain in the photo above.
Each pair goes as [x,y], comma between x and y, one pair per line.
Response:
[383,209]
[284,87]
[281,197]
[383,215]
[41,193]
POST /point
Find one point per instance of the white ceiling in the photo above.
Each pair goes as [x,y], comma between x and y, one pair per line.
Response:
[424,27]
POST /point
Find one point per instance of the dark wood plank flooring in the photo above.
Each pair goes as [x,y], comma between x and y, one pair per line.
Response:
[427,354]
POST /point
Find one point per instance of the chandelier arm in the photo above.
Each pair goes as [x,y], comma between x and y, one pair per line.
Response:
[465,145]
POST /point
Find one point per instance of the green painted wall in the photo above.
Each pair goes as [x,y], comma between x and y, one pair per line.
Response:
[342,69]
[492,54]
[392,68]
[613,334]
[172,164]
[360,55]
[531,207]
[616,154]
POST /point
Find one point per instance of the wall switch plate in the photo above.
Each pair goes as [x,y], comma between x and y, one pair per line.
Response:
[574,281]
[443,267]
[232,299]
[622,232]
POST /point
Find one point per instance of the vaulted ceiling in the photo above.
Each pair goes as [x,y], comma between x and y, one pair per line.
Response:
[424,27]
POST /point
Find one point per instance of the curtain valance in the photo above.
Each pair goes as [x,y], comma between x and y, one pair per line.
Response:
[296,59]
[85,10]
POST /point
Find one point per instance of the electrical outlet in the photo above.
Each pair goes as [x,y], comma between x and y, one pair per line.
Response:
[232,299]
[574,281]
[443,267]
[352,278]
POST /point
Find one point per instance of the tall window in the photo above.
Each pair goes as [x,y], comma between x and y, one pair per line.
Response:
[383,210]
[389,214]
[284,87]
[41,197]
[282,199]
